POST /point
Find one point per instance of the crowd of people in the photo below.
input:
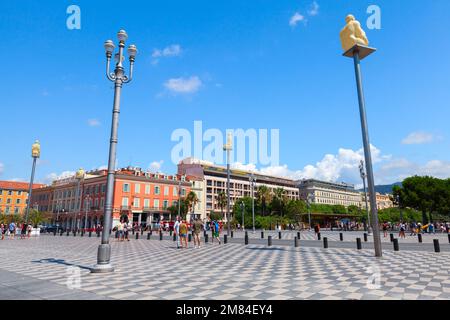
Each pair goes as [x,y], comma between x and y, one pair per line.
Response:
[415,228]
[12,230]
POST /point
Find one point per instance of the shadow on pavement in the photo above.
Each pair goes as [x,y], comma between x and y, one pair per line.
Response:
[60,261]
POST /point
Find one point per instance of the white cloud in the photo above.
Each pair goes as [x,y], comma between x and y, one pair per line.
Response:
[93,122]
[54,176]
[418,137]
[314,9]
[183,86]
[155,166]
[173,50]
[296,18]
[245,167]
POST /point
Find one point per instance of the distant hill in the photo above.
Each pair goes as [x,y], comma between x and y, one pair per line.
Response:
[383,189]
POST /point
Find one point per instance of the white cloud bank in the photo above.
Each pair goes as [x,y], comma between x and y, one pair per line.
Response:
[296,18]
[173,50]
[183,85]
[419,137]
[155,166]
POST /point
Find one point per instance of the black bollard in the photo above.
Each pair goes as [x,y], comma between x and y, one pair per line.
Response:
[74,233]
[54,233]
[419,237]
[206,238]
[341,236]
[365,237]
[67,233]
[279,235]
[449,238]
[133,231]
[232,233]
[160,236]
[358,243]
[225,239]
[61,233]
[148,236]
[82,233]
[298,234]
[325,242]
[246,238]
[137,235]
[246,233]
[269,241]
[262,234]
[189,237]
[296,242]
[395,242]
[90,234]
[436,245]
[170,232]
[318,236]
[391,235]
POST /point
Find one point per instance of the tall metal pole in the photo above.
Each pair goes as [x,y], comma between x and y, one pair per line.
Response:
[363,177]
[30,190]
[76,207]
[228,193]
[367,155]
[252,180]
[119,78]
[179,198]
[86,209]
[243,213]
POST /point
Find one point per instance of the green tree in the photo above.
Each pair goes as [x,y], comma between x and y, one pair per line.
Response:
[192,201]
[279,201]
[36,217]
[425,194]
[222,200]
[263,197]
[353,210]
[295,208]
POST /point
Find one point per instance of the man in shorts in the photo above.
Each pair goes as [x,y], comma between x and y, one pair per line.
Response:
[183,229]
[216,231]
[176,229]
[198,226]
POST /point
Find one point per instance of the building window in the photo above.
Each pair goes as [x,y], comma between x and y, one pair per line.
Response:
[125,201]
[165,204]
[146,203]
[19,193]
[126,187]
[175,191]
[174,202]
[96,189]
[96,203]
[147,189]
[103,188]
[156,189]
[137,188]
[102,203]
[10,193]
[1,192]
[166,191]
[136,202]
[16,210]
[156,203]
[17,201]
[8,201]
[183,192]
[7,210]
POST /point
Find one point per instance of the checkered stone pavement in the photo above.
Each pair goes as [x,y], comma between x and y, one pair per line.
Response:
[152,269]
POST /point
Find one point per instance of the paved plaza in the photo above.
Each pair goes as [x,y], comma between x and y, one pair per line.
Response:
[46,267]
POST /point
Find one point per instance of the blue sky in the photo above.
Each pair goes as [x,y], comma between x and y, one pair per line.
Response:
[230,64]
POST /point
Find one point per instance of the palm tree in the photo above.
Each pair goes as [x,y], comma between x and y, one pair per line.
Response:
[191,200]
[263,195]
[281,199]
[221,199]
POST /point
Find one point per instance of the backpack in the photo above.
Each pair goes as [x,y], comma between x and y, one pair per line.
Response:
[216,227]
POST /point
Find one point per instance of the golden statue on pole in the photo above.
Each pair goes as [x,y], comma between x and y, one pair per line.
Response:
[36,149]
[352,34]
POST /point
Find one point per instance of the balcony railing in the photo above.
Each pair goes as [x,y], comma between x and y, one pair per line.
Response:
[125,207]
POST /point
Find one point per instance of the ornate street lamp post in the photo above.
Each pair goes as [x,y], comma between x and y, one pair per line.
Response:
[119,78]
[243,213]
[309,200]
[252,180]
[87,203]
[355,45]
[35,154]
[79,175]
[228,147]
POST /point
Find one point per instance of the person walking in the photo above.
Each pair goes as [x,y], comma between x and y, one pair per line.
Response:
[176,229]
[12,230]
[385,229]
[216,231]
[126,230]
[183,234]
[402,230]
[198,226]
[120,231]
